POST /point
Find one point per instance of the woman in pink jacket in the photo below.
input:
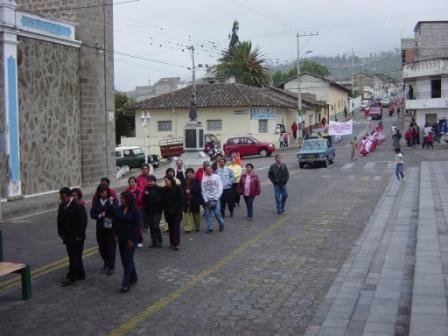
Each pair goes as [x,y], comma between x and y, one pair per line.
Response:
[249,186]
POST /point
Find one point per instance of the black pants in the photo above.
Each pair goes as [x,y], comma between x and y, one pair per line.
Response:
[107,247]
[75,265]
[227,198]
[250,205]
[127,259]
[153,223]
[174,232]
[236,194]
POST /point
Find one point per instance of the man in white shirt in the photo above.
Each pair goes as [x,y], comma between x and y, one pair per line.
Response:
[211,187]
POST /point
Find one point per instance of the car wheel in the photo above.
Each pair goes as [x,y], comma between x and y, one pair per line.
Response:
[301,165]
[331,160]
[263,152]
[326,163]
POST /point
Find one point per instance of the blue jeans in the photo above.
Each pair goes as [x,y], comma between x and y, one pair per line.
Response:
[281,195]
[250,205]
[210,212]
[399,171]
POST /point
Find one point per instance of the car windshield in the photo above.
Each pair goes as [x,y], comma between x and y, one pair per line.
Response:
[253,140]
[321,144]
[138,151]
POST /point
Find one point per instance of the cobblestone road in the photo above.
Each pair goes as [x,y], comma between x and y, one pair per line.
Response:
[266,277]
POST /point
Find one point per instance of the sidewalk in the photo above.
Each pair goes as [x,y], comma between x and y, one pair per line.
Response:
[378,291]
[49,201]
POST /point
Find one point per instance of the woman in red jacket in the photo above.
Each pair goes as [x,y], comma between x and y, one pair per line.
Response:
[249,187]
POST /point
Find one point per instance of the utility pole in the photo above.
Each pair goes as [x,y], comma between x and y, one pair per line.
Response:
[353,73]
[300,122]
[193,71]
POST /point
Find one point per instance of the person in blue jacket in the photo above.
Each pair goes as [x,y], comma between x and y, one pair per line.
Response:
[104,235]
[126,224]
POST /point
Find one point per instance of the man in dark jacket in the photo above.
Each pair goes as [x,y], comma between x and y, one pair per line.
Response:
[72,224]
[279,175]
[153,204]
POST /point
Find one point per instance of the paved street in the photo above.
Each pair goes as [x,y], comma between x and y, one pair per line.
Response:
[267,277]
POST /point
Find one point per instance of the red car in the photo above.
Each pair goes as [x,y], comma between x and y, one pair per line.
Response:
[247,145]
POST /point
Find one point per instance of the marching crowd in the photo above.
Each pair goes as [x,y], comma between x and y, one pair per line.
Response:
[179,197]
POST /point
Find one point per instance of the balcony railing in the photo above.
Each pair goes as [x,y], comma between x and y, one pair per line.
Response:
[428,94]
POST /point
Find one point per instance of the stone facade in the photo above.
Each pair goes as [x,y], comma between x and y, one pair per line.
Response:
[95,29]
[432,39]
[49,115]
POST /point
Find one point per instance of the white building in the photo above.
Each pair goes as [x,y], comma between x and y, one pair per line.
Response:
[333,94]
[425,72]
[429,82]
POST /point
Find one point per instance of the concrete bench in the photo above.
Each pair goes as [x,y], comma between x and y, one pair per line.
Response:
[22,269]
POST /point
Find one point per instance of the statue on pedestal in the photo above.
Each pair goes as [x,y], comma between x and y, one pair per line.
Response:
[193,114]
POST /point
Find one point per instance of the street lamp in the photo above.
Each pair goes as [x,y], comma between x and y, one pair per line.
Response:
[144,119]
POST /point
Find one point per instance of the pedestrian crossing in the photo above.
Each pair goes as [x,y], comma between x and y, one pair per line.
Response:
[433,154]
[371,166]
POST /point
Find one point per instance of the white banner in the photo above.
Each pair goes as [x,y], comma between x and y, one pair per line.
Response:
[340,128]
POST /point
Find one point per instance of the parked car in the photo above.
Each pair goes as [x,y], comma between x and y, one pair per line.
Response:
[247,145]
[375,112]
[385,101]
[316,151]
[364,103]
[134,157]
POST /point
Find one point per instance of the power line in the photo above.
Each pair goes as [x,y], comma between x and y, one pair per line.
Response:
[86,7]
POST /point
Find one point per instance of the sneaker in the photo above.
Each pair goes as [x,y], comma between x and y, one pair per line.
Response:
[140,245]
[209,231]
[175,248]
[124,290]
[221,228]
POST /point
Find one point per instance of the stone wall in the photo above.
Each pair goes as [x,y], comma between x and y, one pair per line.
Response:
[432,39]
[50,116]
[95,29]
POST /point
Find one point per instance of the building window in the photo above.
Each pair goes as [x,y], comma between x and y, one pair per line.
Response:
[436,88]
[214,125]
[165,126]
[262,126]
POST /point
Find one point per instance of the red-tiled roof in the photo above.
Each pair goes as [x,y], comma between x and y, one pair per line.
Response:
[224,95]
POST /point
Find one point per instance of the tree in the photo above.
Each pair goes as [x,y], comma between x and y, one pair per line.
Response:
[245,63]
[314,68]
[242,61]
[306,66]
[124,116]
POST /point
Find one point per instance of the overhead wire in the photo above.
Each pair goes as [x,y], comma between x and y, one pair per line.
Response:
[68,8]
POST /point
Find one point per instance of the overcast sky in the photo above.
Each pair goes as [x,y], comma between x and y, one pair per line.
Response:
[159,30]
